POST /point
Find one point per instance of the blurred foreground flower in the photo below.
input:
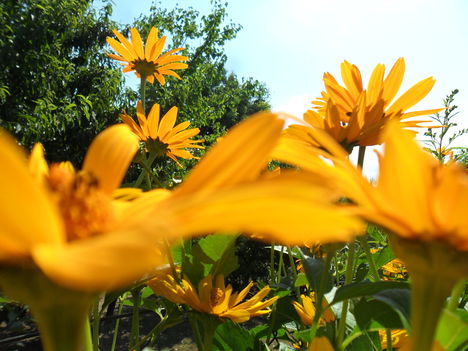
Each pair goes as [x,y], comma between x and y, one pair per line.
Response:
[421,202]
[217,299]
[354,116]
[147,61]
[161,136]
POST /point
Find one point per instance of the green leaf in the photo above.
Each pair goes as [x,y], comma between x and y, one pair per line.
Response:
[399,300]
[383,316]
[301,280]
[313,269]
[231,336]
[366,288]
[452,331]
[383,256]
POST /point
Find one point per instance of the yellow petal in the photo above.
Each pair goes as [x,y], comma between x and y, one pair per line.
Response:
[137,43]
[412,96]
[393,81]
[37,164]
[109,156]
[101,263]
[320,343]
[374,88]
[167,123]
[153,121]
[27,215]
[150,41]
[239,157]
[286,209]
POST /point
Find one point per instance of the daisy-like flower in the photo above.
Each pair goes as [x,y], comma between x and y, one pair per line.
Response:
[75,233]
[162,135]
[356,116]
[306,310]
[422,204]
[147,61]
[217,299]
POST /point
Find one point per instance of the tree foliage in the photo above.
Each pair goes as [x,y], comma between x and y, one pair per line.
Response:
[57,86]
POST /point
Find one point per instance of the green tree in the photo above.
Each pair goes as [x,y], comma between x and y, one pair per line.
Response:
[57,86]
[208,96]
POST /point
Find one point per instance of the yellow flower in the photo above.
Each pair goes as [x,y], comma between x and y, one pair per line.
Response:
[399,338]
[354,116]
[320,343]
[147,61]
[306,310]
[162,135]
[66,223]
[217,299]
[394,269]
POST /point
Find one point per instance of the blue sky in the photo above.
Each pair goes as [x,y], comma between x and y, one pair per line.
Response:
[289,44]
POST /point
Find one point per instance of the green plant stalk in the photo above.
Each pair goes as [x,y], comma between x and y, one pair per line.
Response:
[428,295]
[348,280]
[96,322]
[457,292]
[293,269]
[117,323]
[143,92]
[320,293]
[60,313]
[372,267]
[272,264]
[280,265]
[88,343]
[388,333]
[204,328]
[146,171]
[135,331]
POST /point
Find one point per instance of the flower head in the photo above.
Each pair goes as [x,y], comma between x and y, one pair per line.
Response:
[306,310]
[147,61]
[75,232]
[162,135]
[217,299]
[356,116]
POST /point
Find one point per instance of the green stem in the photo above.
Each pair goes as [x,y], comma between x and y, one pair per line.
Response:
[280,265]
[293,269]
[372,267]
[117,322]
[348,280]
[96,322]
[320,293]
[60,313]
[272,264]
[428,295]
[135,331]
[388,333]
[362,152]
[88,343]
[457,292]
[143,92]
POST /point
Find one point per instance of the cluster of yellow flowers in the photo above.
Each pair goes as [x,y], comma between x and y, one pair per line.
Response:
[70,226]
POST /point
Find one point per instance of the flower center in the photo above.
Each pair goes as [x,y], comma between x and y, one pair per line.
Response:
[217,296]
[86,210]
[144,68]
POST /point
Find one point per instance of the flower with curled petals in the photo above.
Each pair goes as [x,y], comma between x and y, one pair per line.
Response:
[214,298]
[147,60]
[162,135]
[356,116]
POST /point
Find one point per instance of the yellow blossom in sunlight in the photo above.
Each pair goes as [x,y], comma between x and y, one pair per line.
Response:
[147,60]
[217,299]
[320,343]
[353,115]
[306,310]
[75,232]
[162,135]
[399,338]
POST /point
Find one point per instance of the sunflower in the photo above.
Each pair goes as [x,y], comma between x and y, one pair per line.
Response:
[216,299]
[162,135]
[147,61]
[355,116]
